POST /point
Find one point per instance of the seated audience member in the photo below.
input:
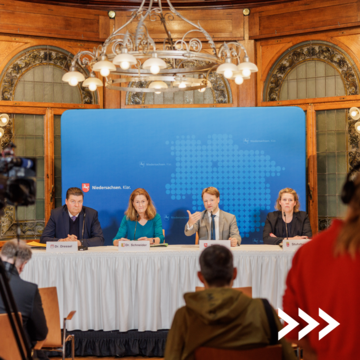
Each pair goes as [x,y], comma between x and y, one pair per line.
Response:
[67,223]
[141,222]
[325,274]
[219,316]
[26,294]
[213,223]
[287,222]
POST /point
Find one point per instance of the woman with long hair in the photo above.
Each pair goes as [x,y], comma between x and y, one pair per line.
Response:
[324,283]
[287,222]
[141,222]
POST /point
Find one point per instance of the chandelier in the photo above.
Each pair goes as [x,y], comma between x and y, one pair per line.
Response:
[137,58]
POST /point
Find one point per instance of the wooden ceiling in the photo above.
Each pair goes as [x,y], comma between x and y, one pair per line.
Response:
[188,4]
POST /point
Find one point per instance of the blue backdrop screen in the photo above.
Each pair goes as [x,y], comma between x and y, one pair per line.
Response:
[249,154]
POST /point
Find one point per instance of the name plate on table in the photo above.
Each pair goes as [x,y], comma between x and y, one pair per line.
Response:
[293,245]
[206,243]
[134,246]
[61,246]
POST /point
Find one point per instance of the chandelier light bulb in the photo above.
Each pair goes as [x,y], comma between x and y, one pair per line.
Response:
[246,72]
[239,80]
[155,69]
[357,126]
[104,71]
[4,119]
[202,90]
[354,113]
[125,65]
[92,87]
[2,132]
[228,73]
[73,81]
[182,85]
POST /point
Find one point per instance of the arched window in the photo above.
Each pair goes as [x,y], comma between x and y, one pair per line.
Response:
[34,75]
[317,69]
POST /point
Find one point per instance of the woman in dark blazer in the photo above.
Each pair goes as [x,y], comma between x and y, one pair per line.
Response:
[287,221]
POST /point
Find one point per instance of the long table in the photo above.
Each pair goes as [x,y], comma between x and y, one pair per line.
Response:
[112,290]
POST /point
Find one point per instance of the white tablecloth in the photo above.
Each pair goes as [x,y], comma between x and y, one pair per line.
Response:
[113,290]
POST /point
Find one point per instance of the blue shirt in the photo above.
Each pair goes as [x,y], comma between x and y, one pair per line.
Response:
[152,229]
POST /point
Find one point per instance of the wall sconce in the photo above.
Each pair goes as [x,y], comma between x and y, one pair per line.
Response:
[111,14]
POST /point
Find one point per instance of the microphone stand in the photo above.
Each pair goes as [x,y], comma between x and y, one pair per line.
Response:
[287,234]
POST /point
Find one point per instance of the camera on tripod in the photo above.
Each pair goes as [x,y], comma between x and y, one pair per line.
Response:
[17,179]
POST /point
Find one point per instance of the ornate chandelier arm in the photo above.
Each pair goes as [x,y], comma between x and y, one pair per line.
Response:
[83,61]
[134,15]
[202,30]
[226,49]
[139,31]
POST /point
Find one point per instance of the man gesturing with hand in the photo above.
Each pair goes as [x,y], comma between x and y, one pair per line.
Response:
[213,223]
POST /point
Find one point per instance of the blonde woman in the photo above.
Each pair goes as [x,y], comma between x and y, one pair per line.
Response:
[141,222]
[287,222]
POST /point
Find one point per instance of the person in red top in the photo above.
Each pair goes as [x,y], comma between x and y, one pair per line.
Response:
[325,274]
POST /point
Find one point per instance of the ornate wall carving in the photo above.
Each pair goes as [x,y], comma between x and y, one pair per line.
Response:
[321,51]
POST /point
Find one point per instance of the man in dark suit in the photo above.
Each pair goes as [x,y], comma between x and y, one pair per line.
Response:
[26,294]
[74,222]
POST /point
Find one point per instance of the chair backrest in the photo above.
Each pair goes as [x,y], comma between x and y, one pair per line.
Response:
[266,353]
[196,238]
[50,304]
[246,290]
[8,348]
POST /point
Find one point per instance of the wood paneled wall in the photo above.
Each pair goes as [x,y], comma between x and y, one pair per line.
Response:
[303,17]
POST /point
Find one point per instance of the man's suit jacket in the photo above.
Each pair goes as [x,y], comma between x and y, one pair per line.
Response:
[28,302]
[300,226]
[227,227]
[58,226]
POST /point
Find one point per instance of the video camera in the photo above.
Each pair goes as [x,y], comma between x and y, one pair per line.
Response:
[17,179]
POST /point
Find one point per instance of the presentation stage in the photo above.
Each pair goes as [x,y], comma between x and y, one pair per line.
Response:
[248,154]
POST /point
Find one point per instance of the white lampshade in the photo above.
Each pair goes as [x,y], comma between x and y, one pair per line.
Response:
[227,69]
[92,83]
[73,77]
[4,119]
[104,66]
[154,64]
[354,113]
[123,59]
[158,85]
[246,66]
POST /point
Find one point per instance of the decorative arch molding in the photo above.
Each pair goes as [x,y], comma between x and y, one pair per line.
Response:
[310,51]
[37,56]
[220,87]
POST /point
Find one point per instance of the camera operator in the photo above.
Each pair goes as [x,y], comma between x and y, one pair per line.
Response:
[26,294]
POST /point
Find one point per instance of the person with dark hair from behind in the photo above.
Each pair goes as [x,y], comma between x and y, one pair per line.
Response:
[325,275]
[74,222]
[26,294]
[222,317]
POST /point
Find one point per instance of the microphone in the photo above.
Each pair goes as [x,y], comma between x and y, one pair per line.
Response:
[137,215]
[287,234]
[83,247]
